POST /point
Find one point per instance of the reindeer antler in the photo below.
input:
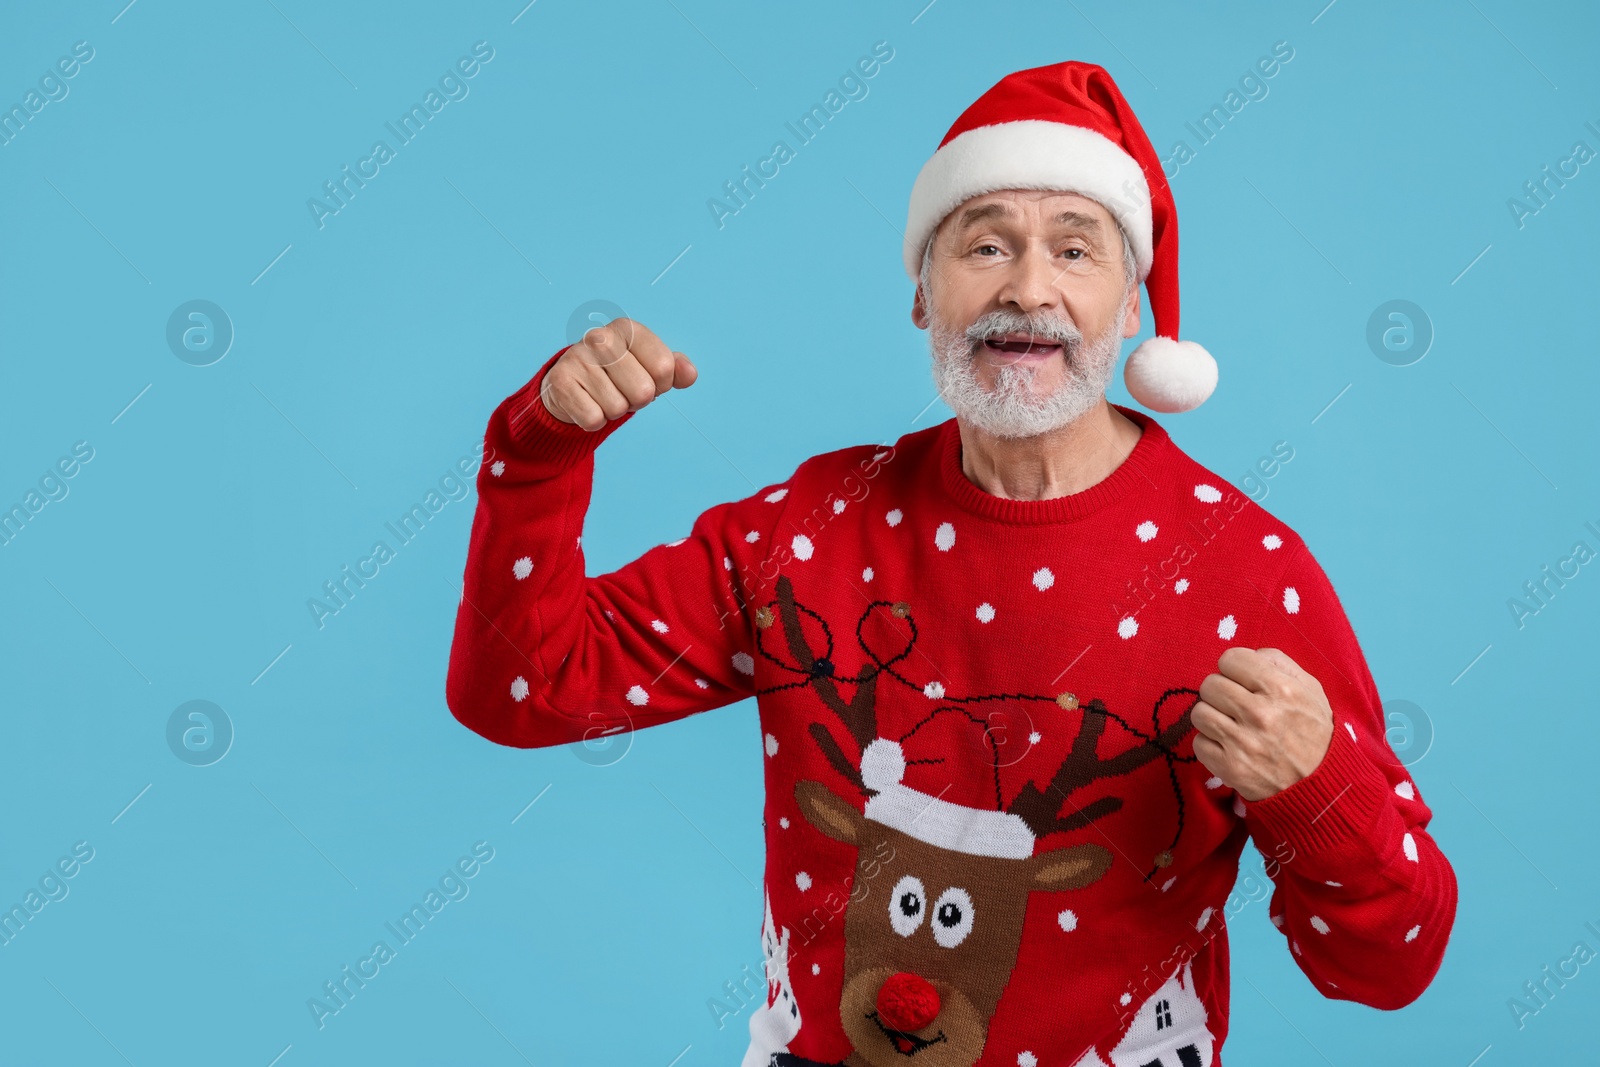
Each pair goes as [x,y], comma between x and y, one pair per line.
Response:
[859,714]
[1040,808]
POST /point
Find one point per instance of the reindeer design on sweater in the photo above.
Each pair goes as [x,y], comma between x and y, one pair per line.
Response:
[924,974]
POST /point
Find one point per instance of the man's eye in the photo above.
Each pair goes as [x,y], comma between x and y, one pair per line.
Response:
[1075,253]
[981,248]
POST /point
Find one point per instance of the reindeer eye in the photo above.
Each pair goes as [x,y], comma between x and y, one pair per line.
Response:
[908,901]
[952,917]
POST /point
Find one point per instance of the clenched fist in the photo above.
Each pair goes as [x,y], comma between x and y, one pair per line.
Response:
[1262,722]
[616,368]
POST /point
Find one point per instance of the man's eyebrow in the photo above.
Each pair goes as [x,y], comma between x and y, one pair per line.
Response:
[1077,218]
[985,212]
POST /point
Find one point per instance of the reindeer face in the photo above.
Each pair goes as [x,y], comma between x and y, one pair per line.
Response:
[928,954]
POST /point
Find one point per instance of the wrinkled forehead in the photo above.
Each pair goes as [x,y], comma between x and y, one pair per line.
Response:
[1048,208]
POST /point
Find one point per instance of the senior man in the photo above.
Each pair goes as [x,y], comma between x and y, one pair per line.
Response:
[1026,680]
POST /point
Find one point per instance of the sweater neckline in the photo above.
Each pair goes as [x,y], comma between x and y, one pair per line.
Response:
[1134,471]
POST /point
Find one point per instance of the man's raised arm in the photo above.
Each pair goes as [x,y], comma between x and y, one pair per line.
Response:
[544,655]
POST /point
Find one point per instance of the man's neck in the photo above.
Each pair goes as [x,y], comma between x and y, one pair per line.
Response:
[1059,463]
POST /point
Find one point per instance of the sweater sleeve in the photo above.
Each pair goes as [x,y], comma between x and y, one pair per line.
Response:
[1362,892]
[545,655]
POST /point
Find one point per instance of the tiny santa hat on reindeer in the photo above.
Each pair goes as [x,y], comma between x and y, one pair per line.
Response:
[1066,127]
[939,822]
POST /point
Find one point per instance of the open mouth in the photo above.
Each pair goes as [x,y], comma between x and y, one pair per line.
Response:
[905,1043]
[1023,345]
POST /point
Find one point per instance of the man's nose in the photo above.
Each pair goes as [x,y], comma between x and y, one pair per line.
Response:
[1031,283]
[907,1001]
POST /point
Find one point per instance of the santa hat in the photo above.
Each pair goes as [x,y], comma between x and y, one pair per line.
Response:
[1066,127]
[938,822]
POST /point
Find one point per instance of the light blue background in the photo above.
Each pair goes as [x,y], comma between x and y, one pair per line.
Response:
[369,356]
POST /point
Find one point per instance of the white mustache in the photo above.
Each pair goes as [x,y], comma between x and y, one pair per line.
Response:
[998,323]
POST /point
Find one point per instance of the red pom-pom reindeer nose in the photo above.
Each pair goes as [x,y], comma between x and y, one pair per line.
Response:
[907,1002]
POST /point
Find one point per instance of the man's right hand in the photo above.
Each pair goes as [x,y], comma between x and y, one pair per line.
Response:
[614,369]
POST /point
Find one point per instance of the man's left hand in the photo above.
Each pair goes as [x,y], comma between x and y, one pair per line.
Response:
[1262,723]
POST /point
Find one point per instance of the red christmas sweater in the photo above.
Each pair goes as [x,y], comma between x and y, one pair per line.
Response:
[988,837]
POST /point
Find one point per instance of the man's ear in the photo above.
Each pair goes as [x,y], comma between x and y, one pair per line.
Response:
[919,310]
[1130,317]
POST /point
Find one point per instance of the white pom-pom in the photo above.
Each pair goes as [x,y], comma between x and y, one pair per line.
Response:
[1170,376]
[882,764]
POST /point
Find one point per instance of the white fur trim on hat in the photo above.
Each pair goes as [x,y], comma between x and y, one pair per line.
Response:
[1170,376]
[1029,154]
[975,831]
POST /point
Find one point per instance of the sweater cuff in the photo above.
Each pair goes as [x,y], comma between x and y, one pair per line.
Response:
[1332,814]
[533,429]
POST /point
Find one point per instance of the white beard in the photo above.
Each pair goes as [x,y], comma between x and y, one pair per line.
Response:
[1011,409]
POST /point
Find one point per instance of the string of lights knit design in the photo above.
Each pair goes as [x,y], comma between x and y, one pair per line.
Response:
[820,673]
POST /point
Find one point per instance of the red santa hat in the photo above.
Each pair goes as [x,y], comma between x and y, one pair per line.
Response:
[1066,127]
